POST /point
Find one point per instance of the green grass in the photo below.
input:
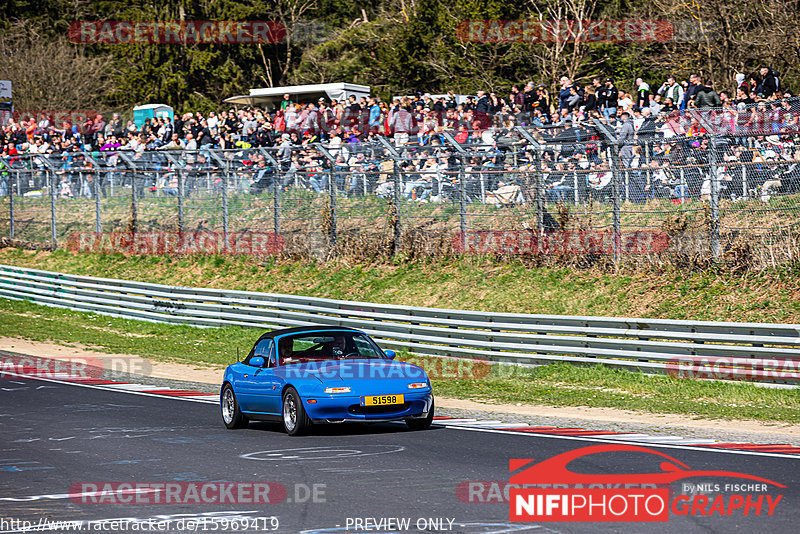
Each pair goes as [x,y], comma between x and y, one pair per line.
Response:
[473,283]
[555,385]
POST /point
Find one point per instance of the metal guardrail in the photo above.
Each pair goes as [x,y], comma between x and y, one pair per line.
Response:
[758,351]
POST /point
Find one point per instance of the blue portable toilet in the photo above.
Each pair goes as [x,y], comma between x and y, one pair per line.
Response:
[149,111]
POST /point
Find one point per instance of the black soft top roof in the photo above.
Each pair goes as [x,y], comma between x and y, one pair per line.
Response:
[302,329]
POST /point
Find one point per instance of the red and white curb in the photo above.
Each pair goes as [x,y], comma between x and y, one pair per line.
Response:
[449,422]
[651,439]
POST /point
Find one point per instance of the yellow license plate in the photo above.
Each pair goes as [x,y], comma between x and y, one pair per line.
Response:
[381,400]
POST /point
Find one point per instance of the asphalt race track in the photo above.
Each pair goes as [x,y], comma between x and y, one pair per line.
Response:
[58,439]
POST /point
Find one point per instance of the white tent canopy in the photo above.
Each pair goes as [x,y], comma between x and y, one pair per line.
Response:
[300,93]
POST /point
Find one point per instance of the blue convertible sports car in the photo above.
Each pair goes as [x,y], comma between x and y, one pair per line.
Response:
[322,374]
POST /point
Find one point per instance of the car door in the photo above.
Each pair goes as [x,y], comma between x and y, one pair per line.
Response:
[256,386]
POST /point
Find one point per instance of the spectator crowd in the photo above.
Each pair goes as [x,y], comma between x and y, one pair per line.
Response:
[671,120]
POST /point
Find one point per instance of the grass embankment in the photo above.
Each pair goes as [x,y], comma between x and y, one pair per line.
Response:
[473,283]
[555,385]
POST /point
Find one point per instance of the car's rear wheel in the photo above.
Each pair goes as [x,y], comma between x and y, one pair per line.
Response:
[232,416]
[421,424]
[295,420]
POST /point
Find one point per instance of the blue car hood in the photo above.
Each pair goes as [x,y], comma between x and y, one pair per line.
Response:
[349,370]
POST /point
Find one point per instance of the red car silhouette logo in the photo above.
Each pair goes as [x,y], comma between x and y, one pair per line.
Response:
[554,470]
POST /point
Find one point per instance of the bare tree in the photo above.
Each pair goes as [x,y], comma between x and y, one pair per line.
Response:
[566,23]
[50,73]
[290,13]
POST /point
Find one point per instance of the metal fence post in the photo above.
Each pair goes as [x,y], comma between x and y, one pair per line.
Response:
[538,187]
[11,205]
[538,177]
[396,198]
[225,229]
[133,226]
[276,204]
[180,200]
[462,190]
[96,186]
[332,193]
[52,182]
[714,179]
[616,202]
[397,189]
[715,248]
[616,168]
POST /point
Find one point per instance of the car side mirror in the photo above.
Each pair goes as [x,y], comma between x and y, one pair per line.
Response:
[390,354]
[258,361]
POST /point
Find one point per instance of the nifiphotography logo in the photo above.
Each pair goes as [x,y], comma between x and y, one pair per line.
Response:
[550,491]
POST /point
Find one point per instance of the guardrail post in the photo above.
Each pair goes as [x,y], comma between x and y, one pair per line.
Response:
[51,175]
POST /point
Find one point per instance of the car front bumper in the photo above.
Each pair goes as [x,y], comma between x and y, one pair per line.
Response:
[348,409]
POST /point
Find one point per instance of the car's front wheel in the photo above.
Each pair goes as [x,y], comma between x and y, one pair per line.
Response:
[421,424]
[232,416]
[295,420]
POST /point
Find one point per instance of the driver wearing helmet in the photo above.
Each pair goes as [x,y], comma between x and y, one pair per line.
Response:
[285,350]
[338,346]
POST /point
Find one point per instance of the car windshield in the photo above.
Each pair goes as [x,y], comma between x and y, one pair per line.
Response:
[323,346]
